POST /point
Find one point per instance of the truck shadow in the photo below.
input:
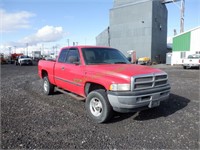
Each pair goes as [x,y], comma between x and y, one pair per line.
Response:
[165,109]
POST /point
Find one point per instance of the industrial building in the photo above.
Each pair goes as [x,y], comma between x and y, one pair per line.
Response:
[138,25]
[185,44]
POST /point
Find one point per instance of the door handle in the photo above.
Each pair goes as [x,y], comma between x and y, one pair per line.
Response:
[63,68]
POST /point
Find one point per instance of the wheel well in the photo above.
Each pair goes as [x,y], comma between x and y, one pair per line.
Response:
[92,86]
[44,73]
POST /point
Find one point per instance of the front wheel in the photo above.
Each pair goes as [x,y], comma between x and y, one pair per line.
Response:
[98,106]
[48,88]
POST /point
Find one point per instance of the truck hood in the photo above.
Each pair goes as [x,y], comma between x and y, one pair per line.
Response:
[124,71]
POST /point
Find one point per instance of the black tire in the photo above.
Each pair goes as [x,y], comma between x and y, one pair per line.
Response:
[184,67]
[48,88]
[98,107]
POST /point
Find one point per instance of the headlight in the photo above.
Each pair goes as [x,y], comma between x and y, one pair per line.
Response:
[120,87]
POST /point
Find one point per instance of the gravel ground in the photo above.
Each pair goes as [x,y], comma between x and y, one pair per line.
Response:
[32,120]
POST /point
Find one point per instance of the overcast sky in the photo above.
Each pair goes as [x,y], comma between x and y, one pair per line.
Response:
[48,23]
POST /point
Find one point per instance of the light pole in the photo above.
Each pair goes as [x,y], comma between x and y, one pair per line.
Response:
[10,49]
[68,41]
[27,49]
[15,49]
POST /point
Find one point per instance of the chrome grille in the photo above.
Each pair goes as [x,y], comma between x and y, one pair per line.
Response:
[148,81]
[143,79]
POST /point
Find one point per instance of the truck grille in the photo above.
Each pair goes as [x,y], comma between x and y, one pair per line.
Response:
[148,81]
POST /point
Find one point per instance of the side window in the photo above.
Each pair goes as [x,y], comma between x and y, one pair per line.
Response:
[62,56]
[73,56]
[183,54]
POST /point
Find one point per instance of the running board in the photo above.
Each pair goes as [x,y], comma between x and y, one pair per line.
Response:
[77,97]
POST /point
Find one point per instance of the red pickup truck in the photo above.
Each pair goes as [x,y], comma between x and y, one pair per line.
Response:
[105,79]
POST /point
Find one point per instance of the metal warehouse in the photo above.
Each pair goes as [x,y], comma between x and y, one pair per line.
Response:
[138,25]
[185,44]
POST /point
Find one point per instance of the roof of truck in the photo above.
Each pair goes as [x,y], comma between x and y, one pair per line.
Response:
[86,46]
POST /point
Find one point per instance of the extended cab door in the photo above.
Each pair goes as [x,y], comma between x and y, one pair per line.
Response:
[69,71]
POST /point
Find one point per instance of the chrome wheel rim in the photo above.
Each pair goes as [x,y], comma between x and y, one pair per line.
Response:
[96,107]
[45,86]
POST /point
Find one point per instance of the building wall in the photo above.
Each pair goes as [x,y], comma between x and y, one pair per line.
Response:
[159,32]
[118,3]
[195,40]
[130,29]
[103,38]
[182,42]
[185,44]
[139,25]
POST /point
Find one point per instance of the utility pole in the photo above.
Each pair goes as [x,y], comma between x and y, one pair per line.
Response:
[15,48]
[27,49]
[68,41]
[182,16]
[182,11]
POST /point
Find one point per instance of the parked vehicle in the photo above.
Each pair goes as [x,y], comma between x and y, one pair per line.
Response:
[144,61]
[36,55]
[14,57]
[193,61]
[105,79]
[24,60]
[2,59]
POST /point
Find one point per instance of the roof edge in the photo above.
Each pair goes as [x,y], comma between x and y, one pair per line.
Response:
[186,31]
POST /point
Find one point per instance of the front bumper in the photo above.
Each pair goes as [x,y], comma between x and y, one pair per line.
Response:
[138,100]
[26,62]
[191,65]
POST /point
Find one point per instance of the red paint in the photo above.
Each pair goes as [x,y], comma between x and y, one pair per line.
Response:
[73,77]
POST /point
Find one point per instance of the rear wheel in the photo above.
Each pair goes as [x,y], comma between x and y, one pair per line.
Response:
[48,88]
[184,67]
[98,106]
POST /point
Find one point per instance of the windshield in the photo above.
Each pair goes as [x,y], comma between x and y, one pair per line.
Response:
[94,56]
[194,56]
[24,57]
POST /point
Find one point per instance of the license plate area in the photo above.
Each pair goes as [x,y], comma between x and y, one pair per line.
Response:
[154,104]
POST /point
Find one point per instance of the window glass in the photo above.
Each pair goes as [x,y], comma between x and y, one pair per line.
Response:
[62,56]
[94,56]
[197,52]
[196,56]
[73,56]
[183,54]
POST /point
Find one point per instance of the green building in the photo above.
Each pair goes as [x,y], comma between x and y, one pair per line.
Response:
[185,44]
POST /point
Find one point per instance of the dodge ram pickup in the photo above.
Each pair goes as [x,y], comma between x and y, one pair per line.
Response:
[105,79]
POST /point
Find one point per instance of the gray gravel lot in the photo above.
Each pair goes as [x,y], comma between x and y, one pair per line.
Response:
[32,120]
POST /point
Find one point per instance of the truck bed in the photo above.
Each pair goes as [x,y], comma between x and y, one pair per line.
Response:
[47,65]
